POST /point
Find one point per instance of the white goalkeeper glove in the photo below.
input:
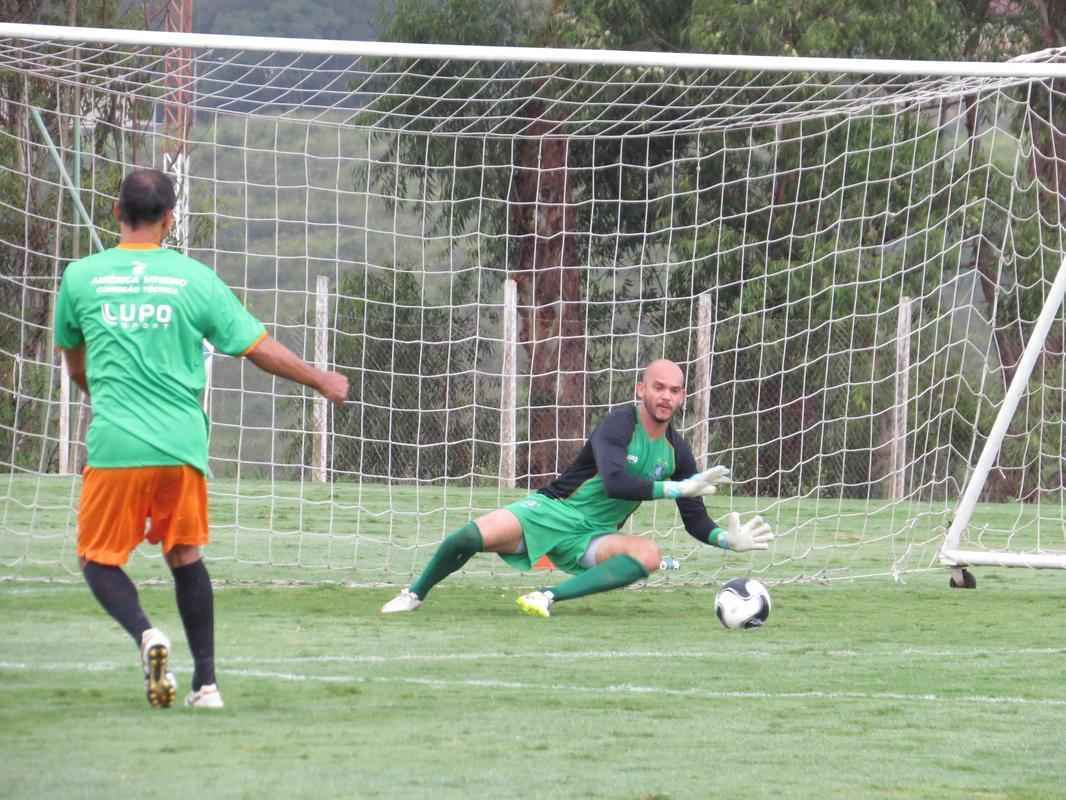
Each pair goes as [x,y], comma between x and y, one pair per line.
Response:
[702,483]
[755,534]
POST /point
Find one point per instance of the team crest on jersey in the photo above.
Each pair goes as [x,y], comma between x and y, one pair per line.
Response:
[138,268]
[632,459]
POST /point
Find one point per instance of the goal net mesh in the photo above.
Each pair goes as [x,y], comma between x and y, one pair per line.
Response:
[845,265]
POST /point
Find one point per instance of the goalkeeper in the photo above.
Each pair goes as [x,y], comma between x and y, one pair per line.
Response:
[633,455]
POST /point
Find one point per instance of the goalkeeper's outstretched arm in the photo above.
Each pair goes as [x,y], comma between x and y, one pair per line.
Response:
[732,534]
[693,513]
[609,443]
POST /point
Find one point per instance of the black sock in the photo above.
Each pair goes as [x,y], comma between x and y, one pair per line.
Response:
[115,591]
[196,604]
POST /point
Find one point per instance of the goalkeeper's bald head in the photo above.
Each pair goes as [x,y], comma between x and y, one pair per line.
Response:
[661,391]
[665,370]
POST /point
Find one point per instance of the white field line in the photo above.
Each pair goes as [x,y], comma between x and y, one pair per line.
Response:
[569,688]
[553,688]
[879,654]
[610,655]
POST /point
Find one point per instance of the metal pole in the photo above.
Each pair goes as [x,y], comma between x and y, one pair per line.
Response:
[1003,418]
[67,182]
[701,436]
[321,408]
[508,384]
[899,414]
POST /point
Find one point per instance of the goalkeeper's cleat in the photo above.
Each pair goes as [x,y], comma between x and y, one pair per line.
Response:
[159,683]
[406,600]
[536,604]
[207,696]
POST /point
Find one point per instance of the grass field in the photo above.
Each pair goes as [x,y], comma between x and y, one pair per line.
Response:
[856,689]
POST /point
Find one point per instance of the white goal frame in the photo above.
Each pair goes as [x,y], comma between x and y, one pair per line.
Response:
[951,554]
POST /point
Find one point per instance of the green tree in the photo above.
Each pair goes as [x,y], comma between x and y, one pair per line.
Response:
[41,238]
[416,410]
[556,186]
[810,209]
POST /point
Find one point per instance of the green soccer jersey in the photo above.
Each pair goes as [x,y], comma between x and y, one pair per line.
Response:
[143,315]
[620,466]
[646,459]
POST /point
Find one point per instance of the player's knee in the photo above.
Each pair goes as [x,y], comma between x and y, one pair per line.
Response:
[649,555]
[181,555]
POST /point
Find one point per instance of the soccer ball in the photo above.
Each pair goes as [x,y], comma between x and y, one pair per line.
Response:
[742,603]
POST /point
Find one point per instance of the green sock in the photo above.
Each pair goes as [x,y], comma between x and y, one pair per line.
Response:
[613,573]
[453,552]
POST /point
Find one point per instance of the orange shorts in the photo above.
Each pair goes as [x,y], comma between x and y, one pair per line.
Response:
[116,504]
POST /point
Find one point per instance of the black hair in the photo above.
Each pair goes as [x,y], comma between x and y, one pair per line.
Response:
[144,197]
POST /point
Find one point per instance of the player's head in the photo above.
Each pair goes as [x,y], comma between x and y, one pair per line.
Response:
[146,198]
[661,389]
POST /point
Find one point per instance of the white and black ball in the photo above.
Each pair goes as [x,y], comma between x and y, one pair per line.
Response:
[742,603]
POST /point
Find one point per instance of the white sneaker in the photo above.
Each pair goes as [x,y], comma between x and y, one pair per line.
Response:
[404,601]
[207,696]
[536,604]
[159,683]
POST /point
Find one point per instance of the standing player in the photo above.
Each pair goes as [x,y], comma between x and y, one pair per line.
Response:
[131,322]
[633,455]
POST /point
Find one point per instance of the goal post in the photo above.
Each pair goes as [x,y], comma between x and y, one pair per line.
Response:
[951,554]
[846,257]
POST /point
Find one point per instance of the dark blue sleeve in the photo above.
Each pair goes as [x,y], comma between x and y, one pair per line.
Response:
[610,443]
[693,513]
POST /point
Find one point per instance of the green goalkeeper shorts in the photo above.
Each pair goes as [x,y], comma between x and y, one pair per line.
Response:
[554,529]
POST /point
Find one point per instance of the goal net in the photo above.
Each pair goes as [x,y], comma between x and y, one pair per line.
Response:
[847,259]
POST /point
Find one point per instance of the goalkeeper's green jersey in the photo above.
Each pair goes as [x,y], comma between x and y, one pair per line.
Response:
[617,469]
[143,314]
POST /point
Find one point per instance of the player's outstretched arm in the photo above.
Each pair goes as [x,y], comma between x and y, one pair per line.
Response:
[699,485]
[272,356]
[755,534]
